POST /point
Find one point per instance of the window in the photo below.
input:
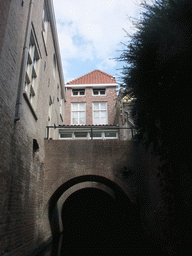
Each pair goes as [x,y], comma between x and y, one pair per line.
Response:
[99,91]
[32,68]
[77,134]
[77,113]
[78,92]
[100,113]
[80,134]
[66,135]
[86,134]
[110,134]
[97,134]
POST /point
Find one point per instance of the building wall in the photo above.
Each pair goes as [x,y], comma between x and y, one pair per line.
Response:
[89,98]
[22,171]
[130,166]
[4,12]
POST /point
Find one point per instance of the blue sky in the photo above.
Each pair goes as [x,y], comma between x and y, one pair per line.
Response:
[90,34]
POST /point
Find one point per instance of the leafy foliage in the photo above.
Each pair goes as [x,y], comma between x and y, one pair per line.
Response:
[159,63]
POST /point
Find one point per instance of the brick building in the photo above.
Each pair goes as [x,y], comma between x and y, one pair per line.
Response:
[90,102]
[31,97]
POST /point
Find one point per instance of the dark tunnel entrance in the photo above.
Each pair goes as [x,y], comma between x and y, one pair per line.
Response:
[95,223]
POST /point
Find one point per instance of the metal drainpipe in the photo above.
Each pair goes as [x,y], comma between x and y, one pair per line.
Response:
[23,65]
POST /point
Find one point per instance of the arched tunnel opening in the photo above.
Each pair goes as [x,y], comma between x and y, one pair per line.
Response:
[96,223]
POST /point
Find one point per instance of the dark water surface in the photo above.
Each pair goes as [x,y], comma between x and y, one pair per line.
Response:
[94,224]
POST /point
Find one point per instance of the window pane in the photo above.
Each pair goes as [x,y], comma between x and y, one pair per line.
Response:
[110,134]
[78,91]
[74,121]
[81,117]
[80,134]
[103,105]
[95,92]
[81,106]
[103,114]
[66,135]
[96,113]
[96,106]
[82,92]
[103,120]
[75,114]
[96,134]
[74,117]
[102,92]
[75,106]
[96,120]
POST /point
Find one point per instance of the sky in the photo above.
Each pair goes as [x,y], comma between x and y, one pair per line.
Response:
[91,34]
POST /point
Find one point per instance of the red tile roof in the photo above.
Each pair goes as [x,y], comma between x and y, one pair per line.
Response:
[94,77]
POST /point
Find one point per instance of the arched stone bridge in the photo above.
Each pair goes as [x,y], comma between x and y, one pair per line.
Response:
[93,166]
[85,189]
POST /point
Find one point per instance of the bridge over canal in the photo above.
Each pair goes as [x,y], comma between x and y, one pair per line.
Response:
[101,194]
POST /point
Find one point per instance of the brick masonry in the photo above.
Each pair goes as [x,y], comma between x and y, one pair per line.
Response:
[125,163]
[28,179]
[89,98]
[21,167]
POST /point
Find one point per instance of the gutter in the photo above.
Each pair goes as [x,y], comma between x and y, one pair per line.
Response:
[23,65]
[90,85]
[56,45]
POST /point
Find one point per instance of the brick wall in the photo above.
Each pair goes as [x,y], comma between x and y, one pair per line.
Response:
[66,160]
[21,168]
[110,98]
[4,12]
[129,165]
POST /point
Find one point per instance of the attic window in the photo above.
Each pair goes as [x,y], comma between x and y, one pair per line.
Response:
[78,92]
[99,91]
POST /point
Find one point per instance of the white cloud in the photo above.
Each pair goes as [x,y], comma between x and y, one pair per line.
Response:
[92,29]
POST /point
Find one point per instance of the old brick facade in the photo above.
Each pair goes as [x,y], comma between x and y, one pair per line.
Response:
[27,106]
[93,80]
[37,175]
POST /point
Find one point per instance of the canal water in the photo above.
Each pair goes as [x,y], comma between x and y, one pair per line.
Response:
[94,224]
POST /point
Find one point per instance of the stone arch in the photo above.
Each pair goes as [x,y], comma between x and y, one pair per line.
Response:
[111,185]
[95,224]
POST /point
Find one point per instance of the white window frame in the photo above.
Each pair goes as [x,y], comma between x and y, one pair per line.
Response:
[100,110]
[31,78]
[73,132]
[78,90]
[78,112]
[99,94]
[69,138]
[109,138]
[88,137]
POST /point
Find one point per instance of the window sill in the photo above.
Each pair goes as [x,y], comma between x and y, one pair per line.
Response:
[102,95]
[30,106]
[78,95]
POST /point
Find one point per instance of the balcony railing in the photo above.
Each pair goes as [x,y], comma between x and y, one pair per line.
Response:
[122,133]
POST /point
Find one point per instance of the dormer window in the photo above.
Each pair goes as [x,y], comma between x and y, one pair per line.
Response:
[99,91]
[78,92]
